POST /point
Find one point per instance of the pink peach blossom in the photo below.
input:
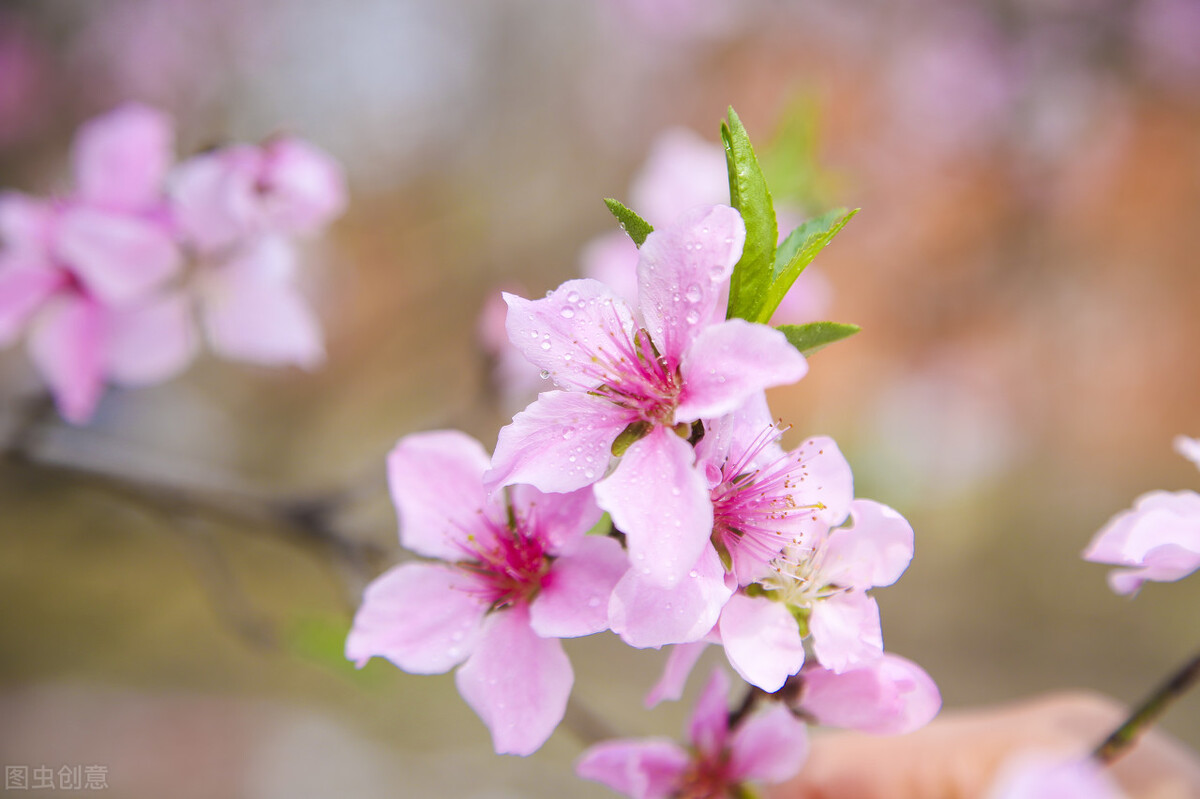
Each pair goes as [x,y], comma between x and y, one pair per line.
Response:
[512,573]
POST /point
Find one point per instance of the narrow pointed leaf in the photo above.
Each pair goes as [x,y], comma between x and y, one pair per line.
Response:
[798,251]
[816,335]
[749,194]
[637,228]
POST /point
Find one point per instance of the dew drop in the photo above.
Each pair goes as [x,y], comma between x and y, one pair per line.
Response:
[568,313]
[692,316]
[694,293]
[693,574]
[545,375]
[545,345]
[573,296]
[533,334]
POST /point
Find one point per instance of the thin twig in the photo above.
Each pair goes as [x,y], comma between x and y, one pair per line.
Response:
[1127,734]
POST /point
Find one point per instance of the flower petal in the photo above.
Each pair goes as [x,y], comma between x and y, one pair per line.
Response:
[682,271]
[730,361]
[122,157]
[680,663]
[561,442]
[561,521]
[253,314]
[845,631]
[66,343]
[761,640]
[891,696]
[424,618]
[770,746]
[22,292]
[648,615]
[874,551]
[581,333]
[436,484]
[516,681]
[212,196]
[708,726]
[648,769]
[117,256]
[661,501]
[303,188]
[682,170]
[150,343]
[574,596]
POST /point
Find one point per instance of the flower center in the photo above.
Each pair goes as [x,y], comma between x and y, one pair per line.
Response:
[755,511]
[511,563]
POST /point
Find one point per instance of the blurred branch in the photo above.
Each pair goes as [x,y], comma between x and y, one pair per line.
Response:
[1148,712]
[184,493]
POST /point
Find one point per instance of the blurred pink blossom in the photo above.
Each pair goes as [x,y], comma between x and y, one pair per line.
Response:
[1158,539]
[769,747]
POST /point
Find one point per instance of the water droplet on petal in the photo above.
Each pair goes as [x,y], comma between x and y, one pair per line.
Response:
[694,293]
[545,345]
[545,375]
[692,316]
[573,296]
[568,313]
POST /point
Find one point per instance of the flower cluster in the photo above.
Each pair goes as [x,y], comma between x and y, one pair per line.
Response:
[105,280]
[656,437]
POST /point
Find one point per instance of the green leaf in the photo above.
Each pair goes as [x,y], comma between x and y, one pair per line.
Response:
[815,335]
[798,251]
[635,432]
[749,194]
[637,228]
[602,527]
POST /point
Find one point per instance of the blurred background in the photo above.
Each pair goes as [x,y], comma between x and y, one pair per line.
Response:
[1024,269]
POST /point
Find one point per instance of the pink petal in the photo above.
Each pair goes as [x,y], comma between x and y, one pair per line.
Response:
[845,631]
[516,681]
[1188,448]
[424,618]
[436,484]
[891,696]
[646,769]
[560,520]
[875,551]
[708,726]
[26,225]
[252,315]
[22,292]
[66,343]
[645,614]
[729,362]
[150,343]
[118,257]
[302,188]
[212,196]
[761,640]
[736,433]
[574,596]
[122,157]
[828,480]
[683,170]
[561,442]
[1166,563]
[1157,518]
[680,663]
[580,333]
[682,272]
[770,746]
[661,502]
